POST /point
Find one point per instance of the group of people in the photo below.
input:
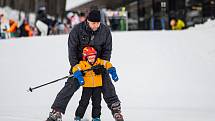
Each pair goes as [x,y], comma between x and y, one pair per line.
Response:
[90,48]
[11,28]
[43,25]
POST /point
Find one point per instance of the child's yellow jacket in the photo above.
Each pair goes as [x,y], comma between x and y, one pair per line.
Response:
[90,78]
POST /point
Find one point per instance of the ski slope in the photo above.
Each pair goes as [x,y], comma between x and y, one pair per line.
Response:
[164,76]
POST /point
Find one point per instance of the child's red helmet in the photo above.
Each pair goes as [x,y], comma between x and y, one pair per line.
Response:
[87,51]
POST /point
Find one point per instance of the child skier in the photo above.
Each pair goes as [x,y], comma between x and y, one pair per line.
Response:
[91,81]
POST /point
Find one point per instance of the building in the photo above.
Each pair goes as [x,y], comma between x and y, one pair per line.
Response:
[141,14]
[54,7]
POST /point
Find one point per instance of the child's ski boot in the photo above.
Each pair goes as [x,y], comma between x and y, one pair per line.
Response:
[77,118]
[96,119]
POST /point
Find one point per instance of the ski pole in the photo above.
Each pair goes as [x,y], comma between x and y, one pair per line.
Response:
[31,89]
[84,71]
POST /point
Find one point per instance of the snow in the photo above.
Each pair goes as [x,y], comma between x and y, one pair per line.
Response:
[210,24]
[164,76]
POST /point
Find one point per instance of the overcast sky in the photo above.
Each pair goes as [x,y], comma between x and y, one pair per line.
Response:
[73,3]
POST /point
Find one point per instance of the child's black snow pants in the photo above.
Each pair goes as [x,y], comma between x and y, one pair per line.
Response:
[95,95]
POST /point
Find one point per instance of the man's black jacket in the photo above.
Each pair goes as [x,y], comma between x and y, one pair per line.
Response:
[81,36]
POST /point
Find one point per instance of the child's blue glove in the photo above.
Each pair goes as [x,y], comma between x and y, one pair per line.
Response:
[78,75]
[112,71]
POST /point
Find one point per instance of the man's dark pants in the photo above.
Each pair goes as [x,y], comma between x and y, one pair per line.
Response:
[72,85]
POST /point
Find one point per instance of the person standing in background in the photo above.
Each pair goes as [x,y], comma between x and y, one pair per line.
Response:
[42,21]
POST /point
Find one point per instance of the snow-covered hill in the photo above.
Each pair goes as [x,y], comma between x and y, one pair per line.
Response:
[164,76]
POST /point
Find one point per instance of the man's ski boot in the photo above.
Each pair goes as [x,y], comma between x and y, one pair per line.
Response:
[118,117]
[96,119]
[54,116]
[116,111]
[77,118]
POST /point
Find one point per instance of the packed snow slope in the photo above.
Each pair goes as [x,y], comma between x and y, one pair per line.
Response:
[163,76]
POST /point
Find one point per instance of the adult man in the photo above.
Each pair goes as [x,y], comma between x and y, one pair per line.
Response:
[88,33]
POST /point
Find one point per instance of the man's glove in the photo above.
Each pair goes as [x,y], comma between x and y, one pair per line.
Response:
[78,75]
[112,71]
[98,69]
